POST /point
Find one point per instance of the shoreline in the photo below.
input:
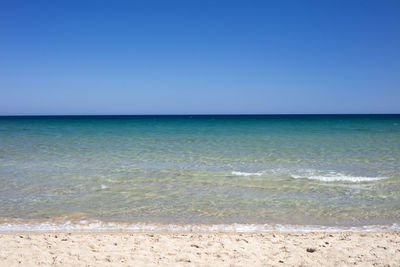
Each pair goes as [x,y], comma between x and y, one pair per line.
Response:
[95,226]
[205,249]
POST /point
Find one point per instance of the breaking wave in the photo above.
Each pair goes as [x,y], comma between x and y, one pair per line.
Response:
[334,178]
[314,175]
[247,173]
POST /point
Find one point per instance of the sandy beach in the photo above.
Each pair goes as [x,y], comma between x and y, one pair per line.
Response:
[200,249]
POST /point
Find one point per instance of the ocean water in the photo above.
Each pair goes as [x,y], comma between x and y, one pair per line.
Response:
[188,172]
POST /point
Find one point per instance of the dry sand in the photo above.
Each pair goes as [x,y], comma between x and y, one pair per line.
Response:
[200,249]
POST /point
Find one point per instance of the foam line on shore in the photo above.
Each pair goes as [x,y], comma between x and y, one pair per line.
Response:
[99,226]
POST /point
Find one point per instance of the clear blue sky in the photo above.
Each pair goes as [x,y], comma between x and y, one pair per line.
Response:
[190,57]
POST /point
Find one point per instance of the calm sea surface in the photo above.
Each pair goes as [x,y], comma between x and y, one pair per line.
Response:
[341,170]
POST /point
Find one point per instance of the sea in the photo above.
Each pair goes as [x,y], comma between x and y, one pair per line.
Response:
[234,173]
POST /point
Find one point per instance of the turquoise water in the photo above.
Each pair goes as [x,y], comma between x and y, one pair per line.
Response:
[341,170]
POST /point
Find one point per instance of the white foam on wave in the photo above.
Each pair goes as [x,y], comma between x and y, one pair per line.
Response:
[338,177]
[314,175]
[98,226]
[247,173]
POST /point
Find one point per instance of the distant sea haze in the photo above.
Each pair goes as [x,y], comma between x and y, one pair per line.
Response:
[308,171]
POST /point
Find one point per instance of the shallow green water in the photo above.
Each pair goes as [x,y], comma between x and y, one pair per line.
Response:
[324,170]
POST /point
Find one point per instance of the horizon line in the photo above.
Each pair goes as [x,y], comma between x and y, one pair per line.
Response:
[196,114]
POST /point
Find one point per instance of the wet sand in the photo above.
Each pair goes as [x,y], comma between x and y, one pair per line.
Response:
[205,249]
